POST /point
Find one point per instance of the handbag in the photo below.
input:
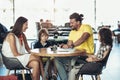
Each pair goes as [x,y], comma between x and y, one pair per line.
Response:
[9,77]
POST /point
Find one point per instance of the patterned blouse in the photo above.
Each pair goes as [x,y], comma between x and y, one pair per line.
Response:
[102,49]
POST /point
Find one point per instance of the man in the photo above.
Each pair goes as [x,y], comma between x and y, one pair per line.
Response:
[80,37]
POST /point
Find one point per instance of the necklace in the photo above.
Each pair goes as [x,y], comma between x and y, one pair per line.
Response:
[21,39]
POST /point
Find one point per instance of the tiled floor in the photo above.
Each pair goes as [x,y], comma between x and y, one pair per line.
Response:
[111,72]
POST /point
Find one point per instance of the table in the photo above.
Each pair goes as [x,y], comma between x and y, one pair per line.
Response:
[47,52]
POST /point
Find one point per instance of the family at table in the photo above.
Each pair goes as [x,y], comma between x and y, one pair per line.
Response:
[80,38]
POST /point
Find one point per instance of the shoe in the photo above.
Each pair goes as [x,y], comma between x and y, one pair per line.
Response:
[54,77]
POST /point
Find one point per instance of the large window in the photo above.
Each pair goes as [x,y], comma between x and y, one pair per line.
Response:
[58,11]
[6,13]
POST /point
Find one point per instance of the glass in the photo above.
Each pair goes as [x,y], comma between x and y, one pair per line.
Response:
[54,48]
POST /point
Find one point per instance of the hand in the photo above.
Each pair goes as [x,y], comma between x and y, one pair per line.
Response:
[90,59]
[63,46]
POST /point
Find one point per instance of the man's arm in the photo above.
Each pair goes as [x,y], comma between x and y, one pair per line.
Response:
[70,43]
[82,39]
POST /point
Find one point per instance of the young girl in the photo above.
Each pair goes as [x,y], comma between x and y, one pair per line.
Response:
[44,43]
[93,63]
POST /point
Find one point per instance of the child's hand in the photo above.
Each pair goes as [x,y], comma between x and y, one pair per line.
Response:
[90,59]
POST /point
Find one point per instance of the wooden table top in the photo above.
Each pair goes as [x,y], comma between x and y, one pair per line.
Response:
[47,52]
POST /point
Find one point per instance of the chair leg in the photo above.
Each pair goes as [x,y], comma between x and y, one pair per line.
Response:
[15,72]
[92,77]
[30,73]
[23,74]
[98,77]
[76,77]
[8,72]
[81,77]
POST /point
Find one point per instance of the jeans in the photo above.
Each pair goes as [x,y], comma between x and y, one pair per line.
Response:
[74,71]
[46,69]
[60,64]
[63,67]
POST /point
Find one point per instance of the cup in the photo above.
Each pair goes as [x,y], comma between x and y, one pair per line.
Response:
[54,48]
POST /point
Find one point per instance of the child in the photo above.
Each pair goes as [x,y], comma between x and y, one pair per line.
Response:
[95,62]
[44,43]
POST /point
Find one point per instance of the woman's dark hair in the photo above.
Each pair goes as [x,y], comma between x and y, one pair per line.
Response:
[42,31]
[106,36]
[17,28]
[77,17]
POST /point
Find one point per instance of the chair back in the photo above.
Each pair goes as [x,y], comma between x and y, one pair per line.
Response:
[93,68]
[12,63]
[104,61]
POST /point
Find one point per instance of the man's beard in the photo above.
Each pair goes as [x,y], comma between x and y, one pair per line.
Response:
[74,29]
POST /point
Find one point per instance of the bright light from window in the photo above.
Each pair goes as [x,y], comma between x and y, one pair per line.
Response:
[58,11]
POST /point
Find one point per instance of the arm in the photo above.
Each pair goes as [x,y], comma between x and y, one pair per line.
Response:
[12,41]
[93,58]
[25,42]
[82,39]
[68,45]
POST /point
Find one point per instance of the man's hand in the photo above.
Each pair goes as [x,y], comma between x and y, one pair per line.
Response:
[63,46]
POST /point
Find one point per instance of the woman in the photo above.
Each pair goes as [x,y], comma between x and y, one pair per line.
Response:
[15,45]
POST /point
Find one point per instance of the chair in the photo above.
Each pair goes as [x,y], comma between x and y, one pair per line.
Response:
[33,43]
[95,73]
[14,64]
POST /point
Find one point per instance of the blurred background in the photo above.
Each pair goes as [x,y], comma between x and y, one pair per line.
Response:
[96,12]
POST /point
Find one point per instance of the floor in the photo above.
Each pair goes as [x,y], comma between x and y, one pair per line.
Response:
[111,72]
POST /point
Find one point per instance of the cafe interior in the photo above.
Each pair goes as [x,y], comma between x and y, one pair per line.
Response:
[55,15]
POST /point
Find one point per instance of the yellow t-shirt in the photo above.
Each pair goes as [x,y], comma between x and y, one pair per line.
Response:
[88,45]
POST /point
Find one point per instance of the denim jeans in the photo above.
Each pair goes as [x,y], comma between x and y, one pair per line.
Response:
[62,65]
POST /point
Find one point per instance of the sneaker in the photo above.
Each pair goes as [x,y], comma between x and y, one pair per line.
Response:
[54,77]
